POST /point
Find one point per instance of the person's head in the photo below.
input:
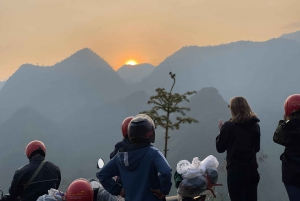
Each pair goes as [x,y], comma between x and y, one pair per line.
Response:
[124,126]
[35,148]
[141,129]
[240,110]
[80,190]
[292,105]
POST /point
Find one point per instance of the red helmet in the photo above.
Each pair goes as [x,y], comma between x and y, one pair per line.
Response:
[125,125]
[292,104]
[80,190]
[35,146]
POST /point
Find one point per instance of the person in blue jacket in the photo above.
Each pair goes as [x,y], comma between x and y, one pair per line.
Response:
[145,172]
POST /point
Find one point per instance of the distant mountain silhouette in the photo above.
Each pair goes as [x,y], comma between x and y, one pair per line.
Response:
[80,80]
[132,74]
[2,84]
[293,36]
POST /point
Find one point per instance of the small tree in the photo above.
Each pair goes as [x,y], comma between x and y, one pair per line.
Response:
[169,103]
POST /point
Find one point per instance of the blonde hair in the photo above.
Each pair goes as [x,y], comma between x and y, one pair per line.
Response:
[240,110]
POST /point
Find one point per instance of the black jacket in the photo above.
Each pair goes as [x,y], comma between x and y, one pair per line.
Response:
[242,142]
[118,146]
[290,138]
[48,177]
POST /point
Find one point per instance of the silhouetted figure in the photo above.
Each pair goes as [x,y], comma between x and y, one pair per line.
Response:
[240,137]
[287,134]
[27,187]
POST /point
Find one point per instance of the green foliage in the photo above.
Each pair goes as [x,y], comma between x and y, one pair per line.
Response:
[169,103]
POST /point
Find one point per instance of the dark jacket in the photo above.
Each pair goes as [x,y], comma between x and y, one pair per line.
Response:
[242,142]
[288,135]
[141,167]
[118,146]
[48,177]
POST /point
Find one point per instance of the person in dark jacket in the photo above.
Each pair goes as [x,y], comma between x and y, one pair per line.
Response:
[240,138]
[125,140]
[48,177]
[145,172]
[287,134]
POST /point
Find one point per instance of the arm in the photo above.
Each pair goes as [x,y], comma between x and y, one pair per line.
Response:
[105,177]
[278,134]
[59,179]
[222,138]
[117,147]
[16,188]
[165,172]
[257,140]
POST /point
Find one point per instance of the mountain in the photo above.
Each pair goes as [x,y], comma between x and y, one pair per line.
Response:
[133,74]
[292,36]
[57,91]
[2,84]
[240,68]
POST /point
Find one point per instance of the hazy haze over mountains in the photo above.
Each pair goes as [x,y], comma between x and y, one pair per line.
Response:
[77,106]
[1,84]
[293,36]
[135,73]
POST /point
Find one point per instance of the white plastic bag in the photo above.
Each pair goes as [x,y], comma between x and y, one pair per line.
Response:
[209,162]
[191,173]
[183,166]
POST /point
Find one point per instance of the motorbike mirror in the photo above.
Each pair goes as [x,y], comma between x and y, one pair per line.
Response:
[1,193]
[100,163]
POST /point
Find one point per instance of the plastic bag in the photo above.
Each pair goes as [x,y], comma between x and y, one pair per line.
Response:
[209,162]
[212,175]
[192,187]
[191,173]
[183,166]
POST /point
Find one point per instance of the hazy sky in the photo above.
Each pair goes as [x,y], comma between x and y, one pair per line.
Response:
[47,31]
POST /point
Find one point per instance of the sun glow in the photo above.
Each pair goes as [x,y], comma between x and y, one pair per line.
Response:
[131,62]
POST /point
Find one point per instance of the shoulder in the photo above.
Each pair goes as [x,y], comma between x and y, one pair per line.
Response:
[48,163]
[292,124]
[227,125]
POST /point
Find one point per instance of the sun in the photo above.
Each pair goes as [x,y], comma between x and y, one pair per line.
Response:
[131,62]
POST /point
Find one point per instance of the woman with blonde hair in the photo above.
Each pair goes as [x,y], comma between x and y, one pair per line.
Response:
[240,137]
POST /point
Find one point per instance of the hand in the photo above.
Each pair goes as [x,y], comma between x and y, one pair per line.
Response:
[122,193]
[157,193]
[220,124]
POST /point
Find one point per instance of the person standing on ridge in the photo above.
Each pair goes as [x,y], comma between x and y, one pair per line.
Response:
[35,178]
[287,134]
[125,140]
[240,137]
[145,172]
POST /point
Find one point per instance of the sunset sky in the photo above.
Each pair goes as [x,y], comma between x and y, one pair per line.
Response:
[147,31]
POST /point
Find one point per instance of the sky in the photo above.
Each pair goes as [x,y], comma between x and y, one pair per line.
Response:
[44,32]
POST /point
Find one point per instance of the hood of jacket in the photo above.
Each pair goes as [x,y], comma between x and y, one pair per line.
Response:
[130,156]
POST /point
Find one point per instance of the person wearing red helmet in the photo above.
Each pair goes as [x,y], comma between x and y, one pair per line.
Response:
[145,172]
[35,178]
[287,134]
[125,140]
[80,190]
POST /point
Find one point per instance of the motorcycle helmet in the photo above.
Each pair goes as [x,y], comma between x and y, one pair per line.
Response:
[292,104]
[35,146]
[124,126]
[80,190]
[141,129]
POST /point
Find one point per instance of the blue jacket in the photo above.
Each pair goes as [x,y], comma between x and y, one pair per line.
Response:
[141,167]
